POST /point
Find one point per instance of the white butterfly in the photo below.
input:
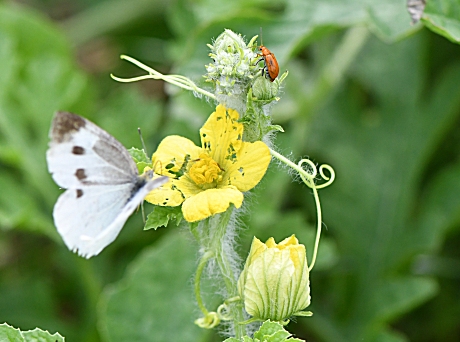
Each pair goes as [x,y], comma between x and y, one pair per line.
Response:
[102,182]
[415,9]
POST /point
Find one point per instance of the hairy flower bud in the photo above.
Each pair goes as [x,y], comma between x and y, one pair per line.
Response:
[233,68]
[274,283]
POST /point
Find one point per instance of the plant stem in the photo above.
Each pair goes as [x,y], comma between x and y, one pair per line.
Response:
[219,230]
[204,259]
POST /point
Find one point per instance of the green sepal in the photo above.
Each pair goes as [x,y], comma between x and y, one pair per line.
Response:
[277,128]
[140,158]
[160,217]
[303,314]
[256,123]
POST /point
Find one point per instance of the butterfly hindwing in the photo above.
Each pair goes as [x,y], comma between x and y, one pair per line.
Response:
[83,217]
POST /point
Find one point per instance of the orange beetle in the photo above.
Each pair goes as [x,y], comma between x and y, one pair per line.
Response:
[271,67]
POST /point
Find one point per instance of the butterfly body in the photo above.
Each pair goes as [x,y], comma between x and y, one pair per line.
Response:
[102,182]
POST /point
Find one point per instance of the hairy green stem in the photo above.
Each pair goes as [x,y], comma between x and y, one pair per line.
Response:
[217,246]
[199,271]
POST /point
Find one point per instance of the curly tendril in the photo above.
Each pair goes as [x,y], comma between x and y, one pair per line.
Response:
[177,80]
[307,171]
[312,172]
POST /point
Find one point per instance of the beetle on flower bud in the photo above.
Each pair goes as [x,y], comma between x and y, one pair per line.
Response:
[271,67]
[275,282]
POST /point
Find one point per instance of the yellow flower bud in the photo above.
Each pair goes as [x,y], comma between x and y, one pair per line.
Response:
[275,283]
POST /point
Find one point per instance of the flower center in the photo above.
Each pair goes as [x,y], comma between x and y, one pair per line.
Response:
[205,170]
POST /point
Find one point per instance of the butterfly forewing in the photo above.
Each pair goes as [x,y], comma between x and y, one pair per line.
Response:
[94,155]
[102,182]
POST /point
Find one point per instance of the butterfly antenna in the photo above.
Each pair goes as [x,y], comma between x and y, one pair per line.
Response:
[142,141]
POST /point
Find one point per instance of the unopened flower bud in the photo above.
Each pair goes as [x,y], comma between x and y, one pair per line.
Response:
[233,68]
[275,283]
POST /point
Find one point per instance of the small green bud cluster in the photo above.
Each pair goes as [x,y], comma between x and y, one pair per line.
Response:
[233,68]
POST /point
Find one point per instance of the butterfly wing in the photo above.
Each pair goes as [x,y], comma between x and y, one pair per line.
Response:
[81,153]
[102,182]
[90,218]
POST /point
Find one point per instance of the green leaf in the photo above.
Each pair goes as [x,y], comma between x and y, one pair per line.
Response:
[270,329]
[440,208]
[10,334]
[140,158]
[443,17]
[397,296]
[154,301]
[381,151]
[268,332]
[38,335]
[160,217]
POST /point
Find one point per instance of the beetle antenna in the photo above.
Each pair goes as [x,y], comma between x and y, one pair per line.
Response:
[261,38]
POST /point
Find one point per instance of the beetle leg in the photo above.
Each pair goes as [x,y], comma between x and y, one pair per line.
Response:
[260,60]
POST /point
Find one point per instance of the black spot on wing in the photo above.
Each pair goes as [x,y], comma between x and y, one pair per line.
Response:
[80,173]
[78,150]
[64,125]
[79,193]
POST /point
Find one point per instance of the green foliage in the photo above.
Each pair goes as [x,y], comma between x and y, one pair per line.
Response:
[140,158]
[38,77]
[10,334]
[154,296]
[367,93]
[160,217]
[443,17]
[268,332]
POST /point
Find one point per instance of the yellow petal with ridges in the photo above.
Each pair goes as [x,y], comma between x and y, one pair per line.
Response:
[210,202]
[250,165]
[221,135]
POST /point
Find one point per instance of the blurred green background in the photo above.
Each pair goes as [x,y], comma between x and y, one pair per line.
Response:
[368,94]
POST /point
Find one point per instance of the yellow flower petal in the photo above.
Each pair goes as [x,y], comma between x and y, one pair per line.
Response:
[165,196]
[187,186]
[210,202]
[250,165]
[290,241]
[221,134]
[171,154]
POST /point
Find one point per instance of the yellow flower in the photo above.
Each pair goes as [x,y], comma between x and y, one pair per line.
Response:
[207,179]
[275,283]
